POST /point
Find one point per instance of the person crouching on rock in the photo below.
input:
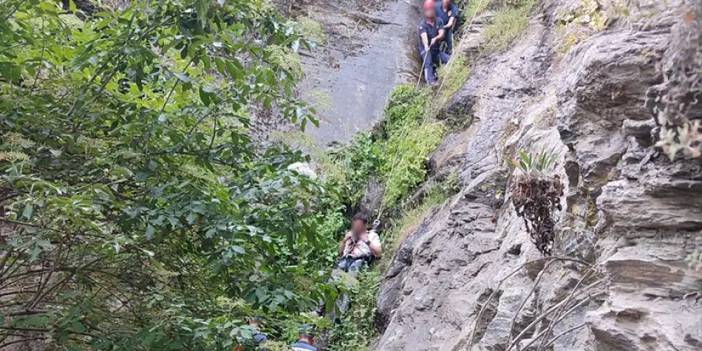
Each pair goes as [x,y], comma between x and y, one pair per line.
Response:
[360,246]
[431,34]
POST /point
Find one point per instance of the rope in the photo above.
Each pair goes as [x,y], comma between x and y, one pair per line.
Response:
[463,32]
[419,79]
[421,68]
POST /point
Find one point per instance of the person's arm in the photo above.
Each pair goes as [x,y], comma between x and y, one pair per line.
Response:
[442,32]
[453,15]
[451,23]
[425,41]
[342,244]
[439,37]
[374,244]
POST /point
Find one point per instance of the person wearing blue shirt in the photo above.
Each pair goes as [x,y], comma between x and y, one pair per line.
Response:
[306,340]
[431,34]
[448,12]
[259,338]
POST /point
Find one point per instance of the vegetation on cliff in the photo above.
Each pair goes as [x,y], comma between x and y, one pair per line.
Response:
[136,212]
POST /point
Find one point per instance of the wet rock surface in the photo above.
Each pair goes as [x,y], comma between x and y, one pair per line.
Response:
[361,51]
[368,51]
[469,277]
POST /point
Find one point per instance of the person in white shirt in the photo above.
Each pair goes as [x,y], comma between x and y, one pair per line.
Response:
[359,246]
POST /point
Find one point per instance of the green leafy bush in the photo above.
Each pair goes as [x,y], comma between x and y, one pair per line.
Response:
[357,328]
[407,105]
[360,160]
[140,214]
[397,156]
[287,59]
[411,137]
[406,154]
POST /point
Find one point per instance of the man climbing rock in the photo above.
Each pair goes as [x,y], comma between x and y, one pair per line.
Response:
[448,12]
[305,341]
[360,246]
[431,33]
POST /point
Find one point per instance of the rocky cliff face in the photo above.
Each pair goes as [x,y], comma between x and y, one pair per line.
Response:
[469,277]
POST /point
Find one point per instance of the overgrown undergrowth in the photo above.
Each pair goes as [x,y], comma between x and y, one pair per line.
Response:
[357,329]
[508,24]
[396,155]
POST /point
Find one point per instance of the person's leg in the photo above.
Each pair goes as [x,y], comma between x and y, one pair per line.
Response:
[342,305]
[353,268]
[343,264]
[357,265]
[444,57]
[437,58]
[428,65]
[441,57]
[449,42]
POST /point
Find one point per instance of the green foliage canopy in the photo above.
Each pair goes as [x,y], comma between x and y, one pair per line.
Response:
[136,213]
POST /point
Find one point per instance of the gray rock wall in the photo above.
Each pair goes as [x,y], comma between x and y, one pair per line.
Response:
[469,276]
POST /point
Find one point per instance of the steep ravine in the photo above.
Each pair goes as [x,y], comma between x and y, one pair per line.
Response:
[367,51]
[630,216]
[360,51]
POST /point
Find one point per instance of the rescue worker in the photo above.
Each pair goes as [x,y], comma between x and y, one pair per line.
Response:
[258,336]
[448,12]
[431,33]
[360,246]
[305,341]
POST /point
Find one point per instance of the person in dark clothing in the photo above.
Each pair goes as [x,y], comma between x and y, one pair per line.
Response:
[431,33]
[259,337]
[448,12]
[305,342]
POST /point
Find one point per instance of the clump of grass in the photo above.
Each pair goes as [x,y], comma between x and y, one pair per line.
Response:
[694,260]
[568,40]
[287,59]
[454,75]
[536,196]
[508,25]
[319,99]
[311,30]
[406,105]
[409,139]
[476,7]
[575,25]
